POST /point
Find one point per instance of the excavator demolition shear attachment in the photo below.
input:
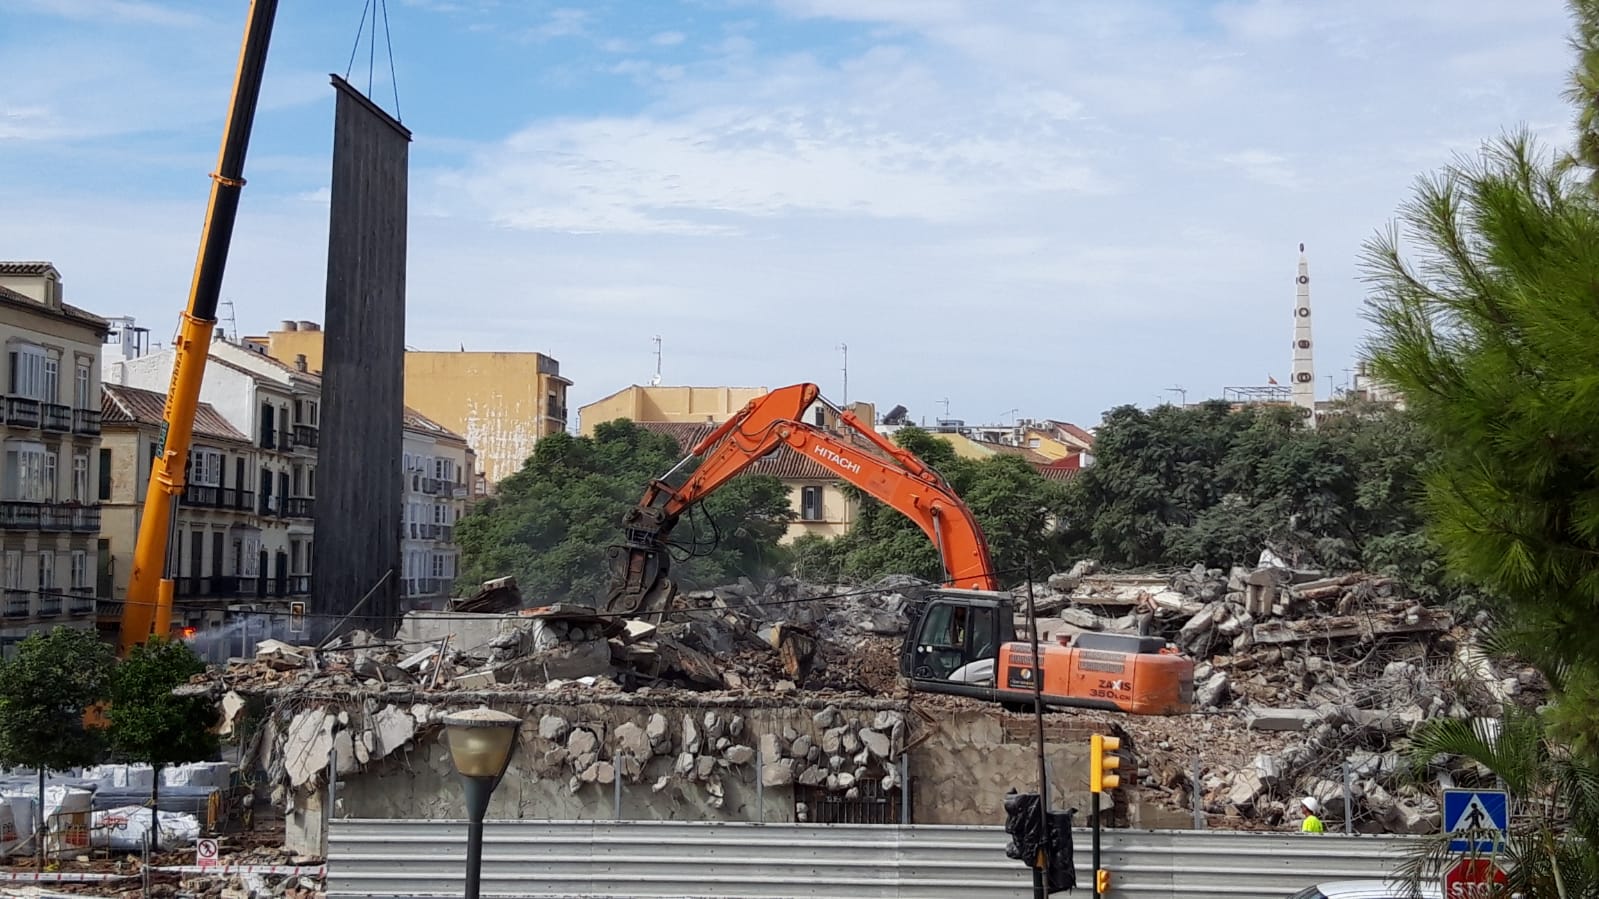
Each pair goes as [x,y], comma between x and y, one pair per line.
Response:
[639,567]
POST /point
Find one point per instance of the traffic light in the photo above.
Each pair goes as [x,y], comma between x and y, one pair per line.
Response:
[296,617]
[1103,760]
[1101,881]
[1021,822]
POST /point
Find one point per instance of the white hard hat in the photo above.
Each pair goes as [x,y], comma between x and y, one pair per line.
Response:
[1311,805]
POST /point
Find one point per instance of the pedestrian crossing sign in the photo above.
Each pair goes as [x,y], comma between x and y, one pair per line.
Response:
[1480,817]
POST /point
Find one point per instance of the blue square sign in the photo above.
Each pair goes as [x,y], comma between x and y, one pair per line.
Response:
[1473,814]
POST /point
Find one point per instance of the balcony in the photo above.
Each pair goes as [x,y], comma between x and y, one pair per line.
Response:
[18,604]
[49,605]
[22,412]
[556,412]
[57,417]
[298,507]
[422,586]
[86,421]
[207,496]
[56,517]
[431,486]
[305,437]
[81,602]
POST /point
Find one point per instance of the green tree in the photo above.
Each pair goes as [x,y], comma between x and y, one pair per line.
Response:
[1209,484]
[1017,508]
[45,692]
[551,523]
[149,724]
[1554,821]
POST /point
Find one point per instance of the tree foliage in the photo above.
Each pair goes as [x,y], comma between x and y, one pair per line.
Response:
[1489,327]
[148,723]
[55,677]
[550,524]
[1554,820]
[1207,484]
[1017,508]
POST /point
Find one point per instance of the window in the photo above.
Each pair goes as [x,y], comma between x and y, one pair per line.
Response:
[49,476]
[52,378]
[80,477]
[310,481]
[27,371]
[13,570]
[80,569]
[80,389]
[105,475]
[441,514]
[821,420]
[218,542]
[24,472]
[407,461]
[266,425]
[250,556]
[205,467]
[810,504]
[47,571]
[438,564]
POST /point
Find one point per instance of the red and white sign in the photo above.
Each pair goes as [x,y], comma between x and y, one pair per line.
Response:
[205,853]
[1472,878]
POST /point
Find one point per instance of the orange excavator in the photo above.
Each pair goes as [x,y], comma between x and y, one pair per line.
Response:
[963,636]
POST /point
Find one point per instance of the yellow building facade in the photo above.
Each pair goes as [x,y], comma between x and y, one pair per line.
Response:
[49,514]
[501,403]
[697,405]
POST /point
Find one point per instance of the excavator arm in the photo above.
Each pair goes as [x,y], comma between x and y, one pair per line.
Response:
[641,564]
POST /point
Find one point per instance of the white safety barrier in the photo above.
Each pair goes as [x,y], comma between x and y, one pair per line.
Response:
[601,860]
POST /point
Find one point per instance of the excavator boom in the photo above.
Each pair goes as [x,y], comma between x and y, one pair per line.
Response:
[882,470]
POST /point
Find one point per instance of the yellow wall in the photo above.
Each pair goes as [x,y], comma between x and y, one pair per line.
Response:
[502,403]
[1048,446]
[838,511]
[675,404]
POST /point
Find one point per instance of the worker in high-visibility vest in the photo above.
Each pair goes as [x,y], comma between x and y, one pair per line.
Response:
[1311,808]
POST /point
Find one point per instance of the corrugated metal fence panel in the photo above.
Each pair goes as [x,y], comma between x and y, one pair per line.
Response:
[682,860]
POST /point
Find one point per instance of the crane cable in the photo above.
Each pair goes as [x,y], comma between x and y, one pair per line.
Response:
[372,48]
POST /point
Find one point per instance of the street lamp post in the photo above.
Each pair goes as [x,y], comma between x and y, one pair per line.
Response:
[481,743]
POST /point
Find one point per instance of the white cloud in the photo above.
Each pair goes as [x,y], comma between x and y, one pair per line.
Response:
[667,38]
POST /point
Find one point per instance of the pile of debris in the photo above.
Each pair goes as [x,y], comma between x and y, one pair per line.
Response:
[1307,684]
[1299,675]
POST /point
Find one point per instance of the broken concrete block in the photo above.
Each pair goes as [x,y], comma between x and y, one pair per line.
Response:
[554,728]
[771,747]
[739,755]
[630,768]
[636,630]
[1246,786]
[789,733]
[812,776]
[660,783]
[658,732]
[279,655]
[599,772]
[1282,719]
[306,745]
[800,748]
[850,742]
[875,742]
[833,740]
[474,680]
[778,774]
[631,739]
[704,766]
[393,728]
[555,758]
[713,725]
[691,734]
[840,781]
[887,720]
[828,717]
[1081,618]
[344,753]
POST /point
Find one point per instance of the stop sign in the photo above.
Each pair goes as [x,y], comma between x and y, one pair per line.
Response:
[1472,878]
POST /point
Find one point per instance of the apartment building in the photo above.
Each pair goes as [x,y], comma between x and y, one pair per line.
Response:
[437,467]
[49,513]
[501,403]
[217,551]
[275,406]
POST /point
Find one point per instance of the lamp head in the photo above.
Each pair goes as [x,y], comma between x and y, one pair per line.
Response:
[481,741]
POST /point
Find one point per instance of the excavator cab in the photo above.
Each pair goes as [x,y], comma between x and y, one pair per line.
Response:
[955,636]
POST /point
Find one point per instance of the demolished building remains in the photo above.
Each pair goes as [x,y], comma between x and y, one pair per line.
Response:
[783,702]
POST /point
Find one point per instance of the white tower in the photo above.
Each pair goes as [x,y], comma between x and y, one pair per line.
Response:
[1304,370]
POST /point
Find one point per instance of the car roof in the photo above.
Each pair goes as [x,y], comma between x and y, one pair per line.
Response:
[1375,889]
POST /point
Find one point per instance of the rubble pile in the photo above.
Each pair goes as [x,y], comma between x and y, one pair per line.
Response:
[1298,674]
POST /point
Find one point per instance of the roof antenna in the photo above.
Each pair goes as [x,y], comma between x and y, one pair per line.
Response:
[232,322]
[656,381]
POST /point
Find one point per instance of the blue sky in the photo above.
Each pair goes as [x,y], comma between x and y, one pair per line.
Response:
[1042,208]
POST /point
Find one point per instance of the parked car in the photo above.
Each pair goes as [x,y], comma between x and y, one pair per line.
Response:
[1366,889]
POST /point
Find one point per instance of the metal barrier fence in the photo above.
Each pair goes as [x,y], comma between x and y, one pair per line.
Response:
[600,860]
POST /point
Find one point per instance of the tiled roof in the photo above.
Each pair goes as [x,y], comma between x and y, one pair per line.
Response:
[785,464]
[1058,474]
[1006,449]
[1074,431]
[84,315]
[67,310]
[25,268]
[132,405]
[416,421]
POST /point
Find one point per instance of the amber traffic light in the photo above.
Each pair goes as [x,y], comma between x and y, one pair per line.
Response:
[1101,881]
[1101,761]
